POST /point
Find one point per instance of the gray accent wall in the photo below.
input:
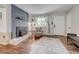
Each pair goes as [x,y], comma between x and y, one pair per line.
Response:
[17,12]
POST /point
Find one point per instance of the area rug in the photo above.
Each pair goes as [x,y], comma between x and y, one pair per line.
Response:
[48,46]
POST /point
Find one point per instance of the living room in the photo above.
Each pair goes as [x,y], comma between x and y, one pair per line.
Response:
[25,28]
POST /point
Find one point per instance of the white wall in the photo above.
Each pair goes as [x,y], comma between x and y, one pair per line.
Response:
[50,21]
[73,20]
[59,21]
[3,23]
[8,17]
[68,23]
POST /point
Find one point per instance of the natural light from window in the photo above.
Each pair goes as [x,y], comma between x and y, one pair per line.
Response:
[41,22]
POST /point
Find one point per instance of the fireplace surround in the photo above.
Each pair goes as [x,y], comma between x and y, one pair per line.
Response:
[21,31]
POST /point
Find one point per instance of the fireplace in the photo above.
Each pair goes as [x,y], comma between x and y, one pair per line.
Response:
[21,31]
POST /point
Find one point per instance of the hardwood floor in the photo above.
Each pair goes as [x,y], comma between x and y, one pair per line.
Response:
[72,48]
[24,47]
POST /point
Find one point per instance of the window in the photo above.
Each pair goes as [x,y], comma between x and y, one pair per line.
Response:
[41,22]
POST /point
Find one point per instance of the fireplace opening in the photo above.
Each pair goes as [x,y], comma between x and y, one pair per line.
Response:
[20,34]
[21,31]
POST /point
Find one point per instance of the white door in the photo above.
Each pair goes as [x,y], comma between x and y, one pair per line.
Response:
[68,23]
[59,25]
[51,25]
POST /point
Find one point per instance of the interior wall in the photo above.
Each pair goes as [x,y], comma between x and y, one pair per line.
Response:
[8,17]
[74,22]
[58,26]
[5,25]
[51,17]
[17,22]
[50,21]
[68,23]
[45,29]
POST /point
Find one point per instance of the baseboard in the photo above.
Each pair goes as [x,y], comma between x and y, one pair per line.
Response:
[4,43]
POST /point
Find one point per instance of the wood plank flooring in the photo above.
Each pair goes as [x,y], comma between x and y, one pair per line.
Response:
[24,47]
[72,48]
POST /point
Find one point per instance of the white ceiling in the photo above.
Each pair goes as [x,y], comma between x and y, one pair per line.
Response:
[44,8]
[3,5]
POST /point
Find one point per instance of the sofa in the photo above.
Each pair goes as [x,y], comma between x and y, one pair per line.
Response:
[73,37]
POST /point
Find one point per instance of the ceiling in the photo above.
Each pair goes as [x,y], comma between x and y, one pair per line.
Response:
[3,5]
[45,8]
